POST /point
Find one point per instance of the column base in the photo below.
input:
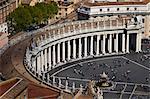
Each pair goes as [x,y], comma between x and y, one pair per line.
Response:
[68,59]
[97,55]
[110,52]
[123,52]
[103,53]
[63,61]
[85,56]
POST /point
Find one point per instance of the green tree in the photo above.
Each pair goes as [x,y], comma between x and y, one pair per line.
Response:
[36,14]
[43,8]
[25,16]
[21,19]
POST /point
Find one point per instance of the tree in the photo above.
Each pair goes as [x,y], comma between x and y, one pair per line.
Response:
[43,8]
[25,16]
[21,19]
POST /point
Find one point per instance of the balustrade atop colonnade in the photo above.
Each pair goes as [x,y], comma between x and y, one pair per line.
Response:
[80,40]
[78,27]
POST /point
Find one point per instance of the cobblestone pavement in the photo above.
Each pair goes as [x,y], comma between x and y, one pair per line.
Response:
[11,63]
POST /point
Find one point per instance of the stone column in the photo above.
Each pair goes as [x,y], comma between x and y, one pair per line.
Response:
[45,58]
[74,48]
[97,48]
[49,57]
[85,47]
[42,61]
[73,87]
[116,43]
[123,43]
[43,76]
[58,53]
[59,82]
[34,65]
[80,48]
[66,85]
[127,45]
[140,36]
[137,42]
[91,50]
[69,50]
[110,43]
[39,64]
[54,59]
[53,81]
[104,38]
[48,77]
[63,54]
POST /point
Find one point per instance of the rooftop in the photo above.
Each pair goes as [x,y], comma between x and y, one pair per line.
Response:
[116,3]
[64,3]
[3,3]
[6,85]
[26,1]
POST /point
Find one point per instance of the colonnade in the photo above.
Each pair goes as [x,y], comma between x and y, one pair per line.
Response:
[80,40]
[77,27]
[83,47]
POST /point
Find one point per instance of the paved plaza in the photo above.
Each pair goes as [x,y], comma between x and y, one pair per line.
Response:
[130,74]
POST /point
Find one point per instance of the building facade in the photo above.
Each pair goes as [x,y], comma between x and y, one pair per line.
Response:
[96,9]
[6,7]
[74,1]
[65,8]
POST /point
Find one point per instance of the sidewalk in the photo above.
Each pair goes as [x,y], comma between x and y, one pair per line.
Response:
[11,63]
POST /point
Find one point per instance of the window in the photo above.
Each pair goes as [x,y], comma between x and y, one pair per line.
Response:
[117,9]
[108,9]
[65,9]
[135,8]
[127,9]
[100,9]
[143,20]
